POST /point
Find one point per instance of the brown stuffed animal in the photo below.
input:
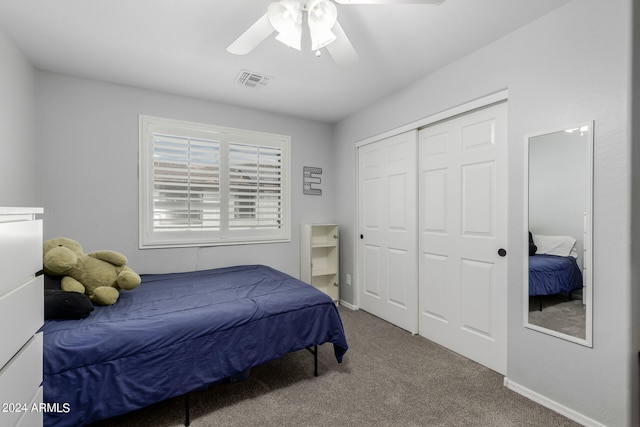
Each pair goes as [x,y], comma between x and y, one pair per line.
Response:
[100,275]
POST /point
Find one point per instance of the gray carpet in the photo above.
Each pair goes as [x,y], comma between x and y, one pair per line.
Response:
[388,378]
[559,314]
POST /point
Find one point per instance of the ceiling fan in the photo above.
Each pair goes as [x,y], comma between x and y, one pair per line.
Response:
[286,17]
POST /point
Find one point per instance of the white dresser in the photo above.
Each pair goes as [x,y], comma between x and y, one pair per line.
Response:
[21,315]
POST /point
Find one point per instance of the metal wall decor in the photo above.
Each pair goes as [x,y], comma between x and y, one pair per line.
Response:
[311,178]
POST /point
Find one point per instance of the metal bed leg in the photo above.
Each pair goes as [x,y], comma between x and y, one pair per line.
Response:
[315,360]
[314,351]
[187,415]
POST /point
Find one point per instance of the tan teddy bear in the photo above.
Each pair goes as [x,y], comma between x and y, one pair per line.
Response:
[100,275]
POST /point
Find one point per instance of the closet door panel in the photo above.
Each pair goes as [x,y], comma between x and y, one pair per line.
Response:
[372,275]
[478,199]
[433,295]
[399,264]
[434,187]
[463,223]
[387,248]
[477,284]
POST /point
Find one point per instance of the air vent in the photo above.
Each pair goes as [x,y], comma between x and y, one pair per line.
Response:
[252,80]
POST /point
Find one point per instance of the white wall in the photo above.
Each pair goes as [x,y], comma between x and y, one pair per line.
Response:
[88,144]
[18,168]
[568,67]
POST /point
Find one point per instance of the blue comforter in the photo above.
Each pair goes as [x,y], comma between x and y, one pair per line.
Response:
[176,333]
[551,274]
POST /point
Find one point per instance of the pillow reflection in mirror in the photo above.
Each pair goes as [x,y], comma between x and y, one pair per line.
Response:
[555,245]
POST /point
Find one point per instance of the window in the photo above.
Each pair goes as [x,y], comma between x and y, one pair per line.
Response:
[206,185]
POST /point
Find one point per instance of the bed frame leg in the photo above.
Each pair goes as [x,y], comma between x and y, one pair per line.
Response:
[315,360]
[187,415]
[314,351]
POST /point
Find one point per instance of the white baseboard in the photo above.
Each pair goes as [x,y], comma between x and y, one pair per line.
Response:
[551,404]
[348,305]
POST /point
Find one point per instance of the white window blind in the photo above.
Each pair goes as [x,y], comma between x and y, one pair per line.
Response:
[186,183]
[255,186]
[208,185]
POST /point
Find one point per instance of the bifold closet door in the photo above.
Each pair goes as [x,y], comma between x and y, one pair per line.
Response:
[463,230]
[387,243]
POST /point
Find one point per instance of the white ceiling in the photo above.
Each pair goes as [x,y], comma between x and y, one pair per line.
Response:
[178,46]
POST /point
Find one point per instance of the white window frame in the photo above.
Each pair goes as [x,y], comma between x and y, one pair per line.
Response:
[151,237]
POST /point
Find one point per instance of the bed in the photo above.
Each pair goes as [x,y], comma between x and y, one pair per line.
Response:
[553,274]
[176,333]
[553,266]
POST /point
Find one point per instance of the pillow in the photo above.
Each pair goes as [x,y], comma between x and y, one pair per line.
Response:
[555,245]
[59,304]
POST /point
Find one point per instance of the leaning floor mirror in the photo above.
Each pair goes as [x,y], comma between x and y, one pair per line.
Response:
[559,276]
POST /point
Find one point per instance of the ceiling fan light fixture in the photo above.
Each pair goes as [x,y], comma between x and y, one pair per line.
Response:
[322,12]
[286,18]
[323,15]
[291,37]
[321,38]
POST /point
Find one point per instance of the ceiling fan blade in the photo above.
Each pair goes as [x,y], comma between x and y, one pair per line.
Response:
[251,38]
[434,2]
[341,49]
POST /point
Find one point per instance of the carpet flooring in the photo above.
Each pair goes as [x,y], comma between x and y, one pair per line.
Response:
[559,314]
[388,378]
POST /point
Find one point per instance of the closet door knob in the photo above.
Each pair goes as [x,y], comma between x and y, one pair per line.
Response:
[361,236]
[502,252]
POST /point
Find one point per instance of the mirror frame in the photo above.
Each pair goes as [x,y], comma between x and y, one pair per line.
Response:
[588,244]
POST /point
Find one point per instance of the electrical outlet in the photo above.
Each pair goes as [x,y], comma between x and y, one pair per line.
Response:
[349,279]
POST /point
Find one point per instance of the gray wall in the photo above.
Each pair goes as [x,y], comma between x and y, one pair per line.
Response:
[19,171]
[88,145]
[570,66]
[633,294]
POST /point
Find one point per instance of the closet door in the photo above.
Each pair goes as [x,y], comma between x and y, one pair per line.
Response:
[387,248]
[463,227]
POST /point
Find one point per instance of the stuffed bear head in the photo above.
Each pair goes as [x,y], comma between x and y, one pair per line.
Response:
[100,275]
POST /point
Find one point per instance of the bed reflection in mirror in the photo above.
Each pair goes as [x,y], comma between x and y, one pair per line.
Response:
[559,276]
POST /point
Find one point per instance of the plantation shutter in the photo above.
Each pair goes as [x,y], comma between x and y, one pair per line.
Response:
[206,185]
[186,183]
[255,187]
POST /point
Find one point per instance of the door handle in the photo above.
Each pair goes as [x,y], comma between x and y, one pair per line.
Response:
[502,252]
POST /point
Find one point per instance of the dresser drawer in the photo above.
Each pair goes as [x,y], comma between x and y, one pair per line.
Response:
[20,252]
[19,381]
[21,315]
[33,418]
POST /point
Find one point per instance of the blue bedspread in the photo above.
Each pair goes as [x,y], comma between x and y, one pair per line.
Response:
[551,274]
[176,333]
